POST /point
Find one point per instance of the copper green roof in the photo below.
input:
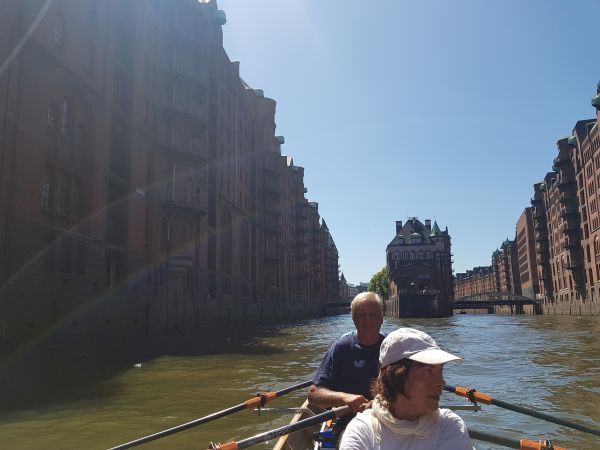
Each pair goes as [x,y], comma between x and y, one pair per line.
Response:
[435,231]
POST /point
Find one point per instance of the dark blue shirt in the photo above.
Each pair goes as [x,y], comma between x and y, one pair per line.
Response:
[349,366]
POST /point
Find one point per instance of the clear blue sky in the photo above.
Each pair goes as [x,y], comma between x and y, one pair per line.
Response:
[448,110]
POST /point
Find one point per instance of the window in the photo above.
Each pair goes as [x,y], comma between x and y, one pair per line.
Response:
[63,192]
[77,197]
[66,250]
[147,225]
[67,115]
[189,229]
[52,127]
[88,58]
[52,117]
[164,231]
[59,32]
[146,110]
[80,258]
[226,241]
[48,185]
[189,190]
[92,14]
[50,254]
[81,138]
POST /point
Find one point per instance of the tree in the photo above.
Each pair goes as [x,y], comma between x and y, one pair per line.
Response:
[379,283]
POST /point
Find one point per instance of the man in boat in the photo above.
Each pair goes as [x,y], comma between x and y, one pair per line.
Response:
[351,364]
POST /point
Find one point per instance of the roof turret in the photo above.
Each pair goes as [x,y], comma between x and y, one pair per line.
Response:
[435,230]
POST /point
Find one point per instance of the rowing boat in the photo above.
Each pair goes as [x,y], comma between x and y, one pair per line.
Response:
[301,440]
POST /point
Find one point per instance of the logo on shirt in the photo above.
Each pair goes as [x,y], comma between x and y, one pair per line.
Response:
[359,364]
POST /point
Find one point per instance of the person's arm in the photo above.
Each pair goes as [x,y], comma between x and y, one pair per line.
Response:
[326,398]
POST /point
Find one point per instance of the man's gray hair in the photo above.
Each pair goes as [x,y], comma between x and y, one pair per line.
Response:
[366,297]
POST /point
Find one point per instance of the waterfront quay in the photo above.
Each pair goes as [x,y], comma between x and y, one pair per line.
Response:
[535,361]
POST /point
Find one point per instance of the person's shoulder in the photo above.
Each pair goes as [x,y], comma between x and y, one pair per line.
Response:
[448,414]
[360,427]
[365,416]
[449,419]
[346,340]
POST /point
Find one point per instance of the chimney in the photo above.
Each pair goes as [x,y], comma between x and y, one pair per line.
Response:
[398,226]
[428,224]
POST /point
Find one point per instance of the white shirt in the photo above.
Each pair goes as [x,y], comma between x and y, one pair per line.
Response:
[450,433]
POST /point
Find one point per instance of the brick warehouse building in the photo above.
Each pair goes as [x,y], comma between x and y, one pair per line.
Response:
[142,185]
[476,281]
[505,267]
[526,255]
[566,228]
[503,275]
[567,216]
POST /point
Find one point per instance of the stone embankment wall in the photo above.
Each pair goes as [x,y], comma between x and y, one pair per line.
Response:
[564,308]
[575,308]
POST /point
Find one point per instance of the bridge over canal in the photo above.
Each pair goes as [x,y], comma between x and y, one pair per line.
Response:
[490,300]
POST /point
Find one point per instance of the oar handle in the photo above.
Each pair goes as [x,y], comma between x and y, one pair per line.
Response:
[288,429]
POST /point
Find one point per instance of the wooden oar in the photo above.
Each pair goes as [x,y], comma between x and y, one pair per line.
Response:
[259,400]
[522,444]
[473,395]
[292,428]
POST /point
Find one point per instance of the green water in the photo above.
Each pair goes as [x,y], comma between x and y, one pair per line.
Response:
[548,363]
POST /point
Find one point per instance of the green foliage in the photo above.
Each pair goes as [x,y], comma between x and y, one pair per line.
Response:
[379,283]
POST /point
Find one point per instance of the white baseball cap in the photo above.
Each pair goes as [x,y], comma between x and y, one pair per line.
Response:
[412,344]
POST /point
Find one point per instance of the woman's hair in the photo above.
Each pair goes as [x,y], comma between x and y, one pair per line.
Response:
[391,380]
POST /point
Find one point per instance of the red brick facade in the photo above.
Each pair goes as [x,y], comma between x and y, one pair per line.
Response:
[142,186]
[565,217]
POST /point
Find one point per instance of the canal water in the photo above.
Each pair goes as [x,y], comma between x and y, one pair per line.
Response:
[549,363]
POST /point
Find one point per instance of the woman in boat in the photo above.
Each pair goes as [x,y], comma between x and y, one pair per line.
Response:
[405,413]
